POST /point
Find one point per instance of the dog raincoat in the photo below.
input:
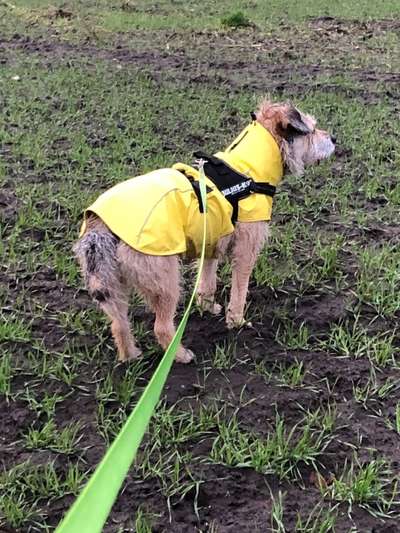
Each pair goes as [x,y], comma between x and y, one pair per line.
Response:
[255,153]
[158,213]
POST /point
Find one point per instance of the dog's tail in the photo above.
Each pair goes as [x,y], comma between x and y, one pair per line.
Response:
[96,252]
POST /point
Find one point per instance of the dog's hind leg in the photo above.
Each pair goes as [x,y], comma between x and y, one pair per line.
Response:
[116,308]
[249,240]
[164,329]
[96,252]
[157,279]
[163,299]
[208,286]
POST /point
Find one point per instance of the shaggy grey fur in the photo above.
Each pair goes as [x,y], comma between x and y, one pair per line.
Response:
[96,252]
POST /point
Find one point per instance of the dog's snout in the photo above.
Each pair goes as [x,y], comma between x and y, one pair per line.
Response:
[333,139]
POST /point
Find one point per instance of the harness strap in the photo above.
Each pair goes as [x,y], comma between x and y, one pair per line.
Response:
[263,188]
[232,184]
[196,188]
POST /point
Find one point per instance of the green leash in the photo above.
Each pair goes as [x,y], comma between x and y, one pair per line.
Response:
[92,507]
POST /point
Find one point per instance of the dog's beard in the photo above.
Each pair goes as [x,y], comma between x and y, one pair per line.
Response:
[318,152]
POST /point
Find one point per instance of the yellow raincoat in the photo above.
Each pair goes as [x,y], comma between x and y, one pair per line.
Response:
[256,154]
[158,213]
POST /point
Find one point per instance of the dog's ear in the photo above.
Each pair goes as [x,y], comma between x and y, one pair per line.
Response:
[298,121]
[293,123]
[284,120]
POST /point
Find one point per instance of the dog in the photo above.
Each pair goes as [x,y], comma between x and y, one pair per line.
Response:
[134,234]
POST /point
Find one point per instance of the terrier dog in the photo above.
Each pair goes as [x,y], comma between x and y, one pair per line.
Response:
[134,234]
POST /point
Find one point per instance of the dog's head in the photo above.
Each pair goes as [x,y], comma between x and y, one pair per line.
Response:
[300,142]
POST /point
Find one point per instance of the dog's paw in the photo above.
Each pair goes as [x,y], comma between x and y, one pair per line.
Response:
[184,356]
[130,355]
[214,309]
[208,305]
[235,321]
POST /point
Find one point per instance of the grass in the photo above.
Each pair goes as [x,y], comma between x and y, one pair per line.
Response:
[320,519]
[142,522]
[14,329]
[293,337]
[171,426]
[161,457]
[236,20]
[27,489]
[372,484]
[5,375]
[121,391]
[280,453]
[383,297]
[355,341]
[94,92]
[374,389]
[291,375]
[52,438]
[394,422]
[224,355]
[98,19]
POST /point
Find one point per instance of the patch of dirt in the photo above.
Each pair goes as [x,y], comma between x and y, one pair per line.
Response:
[15,417]
[9,204]
[59,12]
[346,26]
[322,310]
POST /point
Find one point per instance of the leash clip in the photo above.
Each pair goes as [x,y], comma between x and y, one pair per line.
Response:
[199,163]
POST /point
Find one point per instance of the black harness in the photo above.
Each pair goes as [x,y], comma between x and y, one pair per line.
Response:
[232,184]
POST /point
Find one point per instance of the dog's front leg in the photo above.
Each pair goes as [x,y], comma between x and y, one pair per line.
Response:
[249,240]
[208,286]
[240,282]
